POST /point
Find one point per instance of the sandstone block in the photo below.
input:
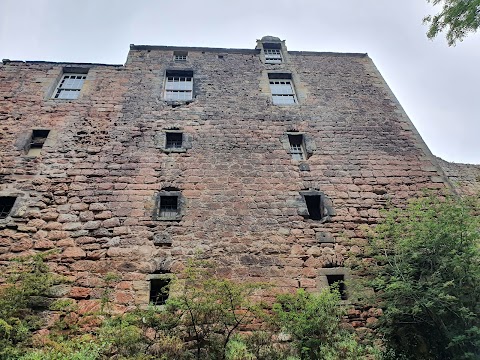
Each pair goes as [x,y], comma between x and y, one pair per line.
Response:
[97,207]
[73,252]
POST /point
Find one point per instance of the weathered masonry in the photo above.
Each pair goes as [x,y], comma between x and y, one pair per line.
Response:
[265,160]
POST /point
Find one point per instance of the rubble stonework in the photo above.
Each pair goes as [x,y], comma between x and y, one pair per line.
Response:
[464,177]
[93,192]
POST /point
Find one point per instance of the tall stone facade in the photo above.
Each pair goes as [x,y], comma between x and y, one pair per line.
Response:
[184,151]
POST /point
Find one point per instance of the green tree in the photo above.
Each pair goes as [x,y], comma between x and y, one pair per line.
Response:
[428,279]
[457,17]
[210,310]
[315,323]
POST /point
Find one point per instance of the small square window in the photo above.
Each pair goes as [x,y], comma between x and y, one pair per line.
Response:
[297,147]
[168,206]
[174,140]
[337,282]
[6,205]
[69,86]
[314,206]
[159,291]
[282,90]
[36,142]
[179,86]
[180,55]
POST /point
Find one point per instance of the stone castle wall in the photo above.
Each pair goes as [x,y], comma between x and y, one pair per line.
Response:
[464,177]
[92,192]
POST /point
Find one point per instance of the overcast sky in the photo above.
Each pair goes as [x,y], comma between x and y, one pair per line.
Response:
[437,85]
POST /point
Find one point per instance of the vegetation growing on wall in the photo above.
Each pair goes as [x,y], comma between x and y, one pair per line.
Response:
[205,317]
[427,279]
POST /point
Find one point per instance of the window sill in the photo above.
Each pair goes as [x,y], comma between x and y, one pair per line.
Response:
[176,218]
[178,102]
[174,150]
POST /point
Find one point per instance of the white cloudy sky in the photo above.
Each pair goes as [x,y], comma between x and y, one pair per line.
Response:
[437,85]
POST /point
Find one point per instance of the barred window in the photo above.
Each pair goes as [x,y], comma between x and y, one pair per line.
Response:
[174,140]
[179,86]
[168,206]
[69,86]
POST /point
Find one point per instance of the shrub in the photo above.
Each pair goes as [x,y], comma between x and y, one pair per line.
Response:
[427,279]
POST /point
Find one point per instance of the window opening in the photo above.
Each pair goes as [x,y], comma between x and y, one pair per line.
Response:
[174,140]
[297,148]
[337,282]
[314,206]
[37,141]
[282,90]
[179,85]
[180,55]
[168,206]
[159,291]
[6,205]
[69,86]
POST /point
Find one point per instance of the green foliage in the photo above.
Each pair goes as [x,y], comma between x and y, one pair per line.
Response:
[208,310]
[457,17]
[21,300]
[206,317]
[428,279]
[123,336]
[78,349]
[105,299]
[314,322]
[237,350]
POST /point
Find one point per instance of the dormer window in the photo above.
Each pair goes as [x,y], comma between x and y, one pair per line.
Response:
[273,53]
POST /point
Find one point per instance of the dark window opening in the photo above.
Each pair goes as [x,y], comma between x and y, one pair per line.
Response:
[296,147]
[37,141]
[6,205]
[337,282]
[314,206]
[159,289]
[168,206]
[272,45]
[174,140]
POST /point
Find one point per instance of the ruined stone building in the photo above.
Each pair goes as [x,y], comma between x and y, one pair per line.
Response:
[267,161]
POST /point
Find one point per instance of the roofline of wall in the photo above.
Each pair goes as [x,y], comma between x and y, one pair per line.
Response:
[234,51]
[177,48]
[33,62]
